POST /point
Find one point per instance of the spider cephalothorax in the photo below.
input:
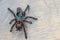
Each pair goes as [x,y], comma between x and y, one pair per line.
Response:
[20,18]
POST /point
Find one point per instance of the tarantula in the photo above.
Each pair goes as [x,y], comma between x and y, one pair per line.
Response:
[20,18]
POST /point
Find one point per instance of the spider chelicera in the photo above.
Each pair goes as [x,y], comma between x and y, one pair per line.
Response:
[20,18]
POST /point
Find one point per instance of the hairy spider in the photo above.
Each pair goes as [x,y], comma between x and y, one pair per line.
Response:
[20,18]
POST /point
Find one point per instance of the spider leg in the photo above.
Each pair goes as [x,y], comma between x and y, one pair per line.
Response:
[11,21]
[27,21]
[31,17]
[12,12]
[12,27]
[25,32]
[27,8]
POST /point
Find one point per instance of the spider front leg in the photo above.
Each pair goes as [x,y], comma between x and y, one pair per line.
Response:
[25,32]
[12,12]
[12,27]
[27,8]
[31,17]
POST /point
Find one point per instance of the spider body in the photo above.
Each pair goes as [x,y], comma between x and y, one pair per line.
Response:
[20,19]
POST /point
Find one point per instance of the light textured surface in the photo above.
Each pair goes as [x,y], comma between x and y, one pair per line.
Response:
[47,27]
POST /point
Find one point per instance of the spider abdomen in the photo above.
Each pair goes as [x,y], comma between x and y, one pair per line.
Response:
[19,23]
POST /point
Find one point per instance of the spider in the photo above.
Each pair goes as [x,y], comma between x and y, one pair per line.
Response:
[20,18]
